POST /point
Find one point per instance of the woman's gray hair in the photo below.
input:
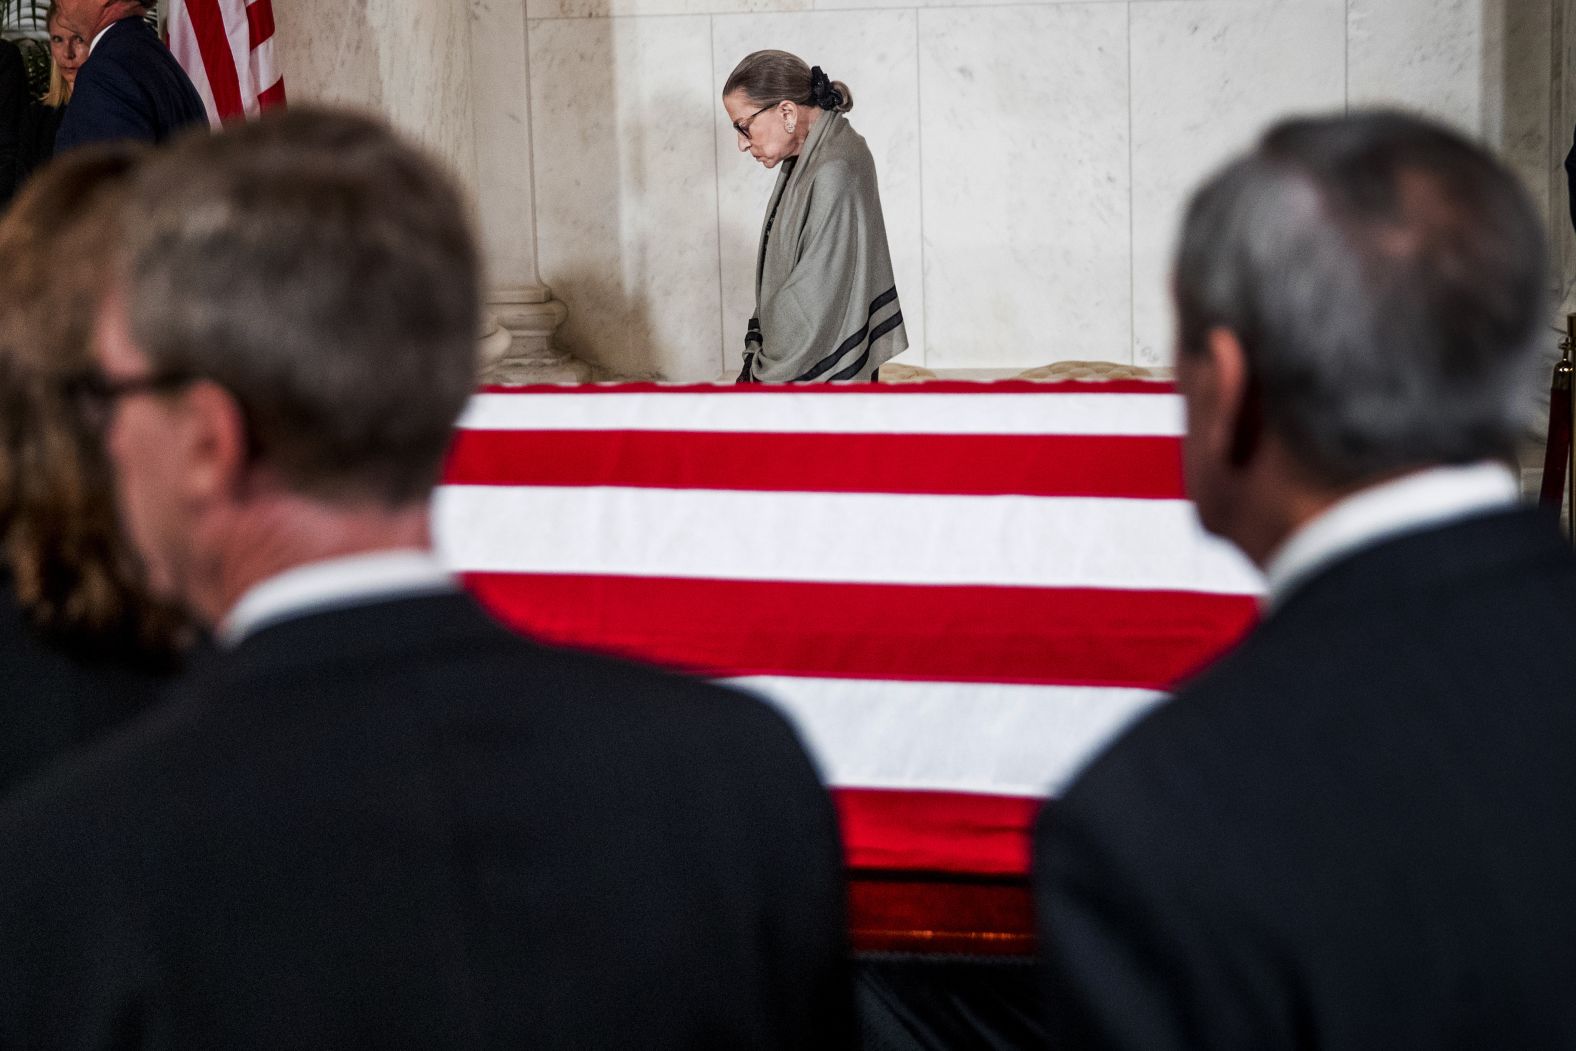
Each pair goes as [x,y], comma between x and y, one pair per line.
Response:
[1385,277]
[766,77]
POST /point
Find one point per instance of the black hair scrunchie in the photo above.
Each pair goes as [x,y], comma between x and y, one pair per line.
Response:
[821,90]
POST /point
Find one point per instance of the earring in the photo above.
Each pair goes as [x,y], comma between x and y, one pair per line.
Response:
[790,127]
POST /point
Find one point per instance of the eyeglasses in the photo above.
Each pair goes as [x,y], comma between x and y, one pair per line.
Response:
[96,395]
[743,126]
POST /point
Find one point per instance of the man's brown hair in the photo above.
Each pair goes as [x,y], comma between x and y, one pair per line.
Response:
[324,272]
[70,567]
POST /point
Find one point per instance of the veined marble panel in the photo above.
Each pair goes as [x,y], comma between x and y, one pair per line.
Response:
[1563,52]
[332,57]
[1024,144]
[874,54]
[503,142]
[1527,97]
[627,8]
[1208,77]
[1424,55]
[411,63]
[624,158]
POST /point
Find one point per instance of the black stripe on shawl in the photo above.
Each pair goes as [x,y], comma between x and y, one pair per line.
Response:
[880,330]
[753,335]
[852,341]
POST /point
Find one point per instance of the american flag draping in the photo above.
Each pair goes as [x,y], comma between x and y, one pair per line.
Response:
[227,48]
[958,592]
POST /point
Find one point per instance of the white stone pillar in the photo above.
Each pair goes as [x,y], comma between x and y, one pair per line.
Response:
[523,306]
[452,74]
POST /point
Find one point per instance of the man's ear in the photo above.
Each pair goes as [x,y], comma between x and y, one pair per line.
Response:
[218,449]
[1238,419]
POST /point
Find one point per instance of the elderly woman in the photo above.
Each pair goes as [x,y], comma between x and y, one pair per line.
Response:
[81,646]
[826,305]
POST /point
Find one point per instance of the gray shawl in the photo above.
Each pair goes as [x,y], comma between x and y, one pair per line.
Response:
[825,302]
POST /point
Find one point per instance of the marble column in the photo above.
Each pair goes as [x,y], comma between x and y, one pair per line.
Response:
[451,74]
[523,306]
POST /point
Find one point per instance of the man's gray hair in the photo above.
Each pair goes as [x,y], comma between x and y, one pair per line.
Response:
[324,272]
[1386,277]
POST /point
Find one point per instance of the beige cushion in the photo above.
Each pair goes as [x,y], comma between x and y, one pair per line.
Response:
[1093,370]
[893,372]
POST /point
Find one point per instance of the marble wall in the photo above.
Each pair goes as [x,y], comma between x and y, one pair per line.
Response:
[1562,120]
[409,62]
[452,74]
[1033,156]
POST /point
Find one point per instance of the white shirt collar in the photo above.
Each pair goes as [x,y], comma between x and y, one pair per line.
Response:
[100,35]
[1415,501]
[332,584]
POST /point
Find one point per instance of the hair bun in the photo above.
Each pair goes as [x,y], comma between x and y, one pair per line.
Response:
[822,91]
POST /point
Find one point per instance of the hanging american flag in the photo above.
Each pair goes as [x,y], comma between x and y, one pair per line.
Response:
[958,592]
[227,48]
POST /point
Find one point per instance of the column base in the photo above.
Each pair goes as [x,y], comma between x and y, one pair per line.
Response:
[517,344]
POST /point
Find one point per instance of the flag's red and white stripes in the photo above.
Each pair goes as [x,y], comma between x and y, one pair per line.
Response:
[227,48]
[957,592]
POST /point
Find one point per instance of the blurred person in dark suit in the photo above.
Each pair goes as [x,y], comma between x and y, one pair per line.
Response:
[378,818]
[1354,831]
[13,117]
[130,86]
[1570,181]
[82,647]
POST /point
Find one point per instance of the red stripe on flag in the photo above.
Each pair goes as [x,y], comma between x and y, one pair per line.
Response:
[972,917]
[260,21]
[951,464]
[273,96]
[887,829]
[724,628]
[207,22]
[900,389]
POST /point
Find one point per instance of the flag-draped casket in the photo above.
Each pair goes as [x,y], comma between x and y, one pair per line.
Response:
[958,592]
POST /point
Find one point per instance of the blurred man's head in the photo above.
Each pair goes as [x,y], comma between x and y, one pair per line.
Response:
[87,17]
[1356,298]
[291,335]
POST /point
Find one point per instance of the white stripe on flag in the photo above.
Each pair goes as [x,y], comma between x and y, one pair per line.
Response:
[264,74]
[839,537]
[841,413]
[238,33]
[992,738]
[183,45]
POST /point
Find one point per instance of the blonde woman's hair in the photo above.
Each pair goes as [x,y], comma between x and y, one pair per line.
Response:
[69,565]
[776,76]
[59,92]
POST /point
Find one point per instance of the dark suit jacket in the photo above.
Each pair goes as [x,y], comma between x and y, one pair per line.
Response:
[1358,830]
[57,696]
[1570,182]
[13,112]
[403,826]
[130,87]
